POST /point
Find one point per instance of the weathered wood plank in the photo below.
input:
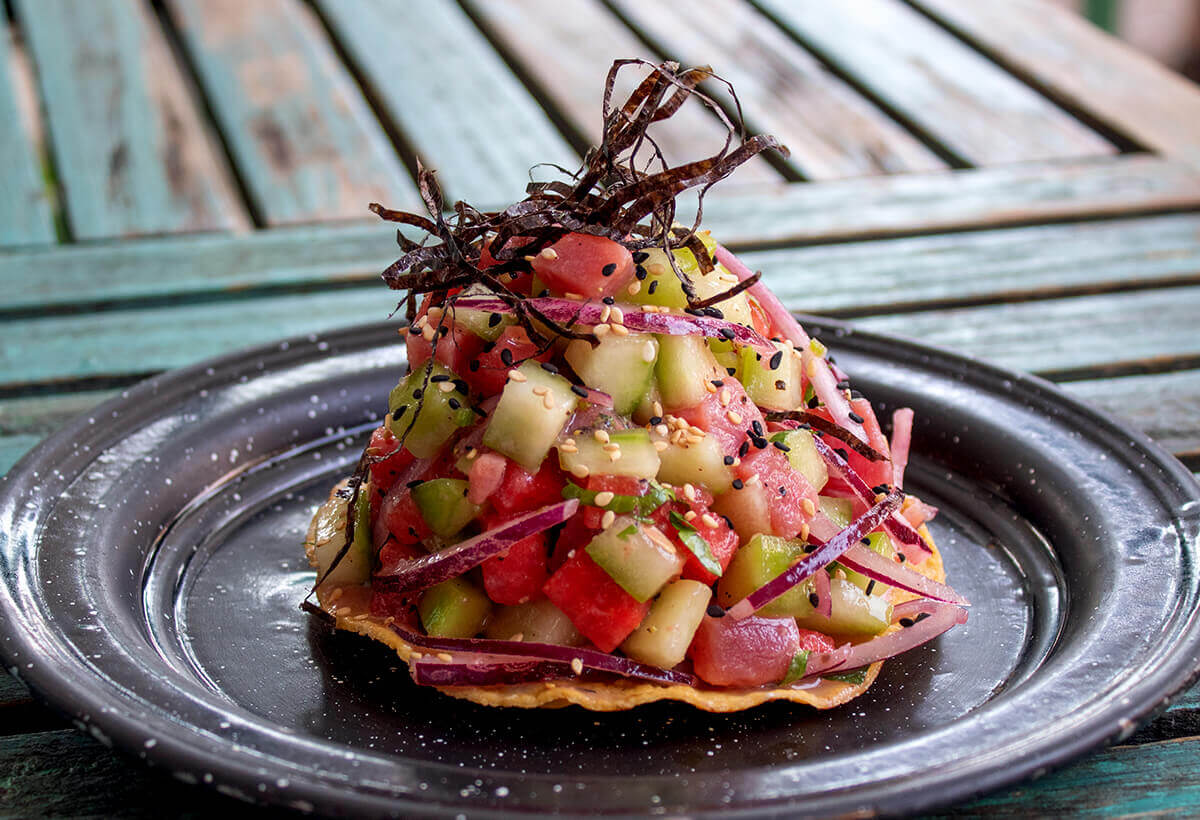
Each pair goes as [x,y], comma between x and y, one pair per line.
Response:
[302,135]
[979,113]
[1166,406]
[26,421]
[12,691]
[1157,779]
[1060,51]
[85,275]
[567,50]
[25,216]
[1011,264]
[132,154]
[940,201]
[1081,337]
[456,101]
[831,130]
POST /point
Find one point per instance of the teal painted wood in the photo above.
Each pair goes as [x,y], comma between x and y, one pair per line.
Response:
[131,153]
[192,265]
[14,447]
[567,49]
[12,691]
[304,139]
[1011,264]
[977,111]
[452,96]
[1165,406]
[832,131]
[25,215]
[26,421]
[1080,337]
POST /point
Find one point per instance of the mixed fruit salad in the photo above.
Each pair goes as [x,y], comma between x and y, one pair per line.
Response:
[617,469]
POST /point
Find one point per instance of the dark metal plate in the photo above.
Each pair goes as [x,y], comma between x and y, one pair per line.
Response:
[152,566]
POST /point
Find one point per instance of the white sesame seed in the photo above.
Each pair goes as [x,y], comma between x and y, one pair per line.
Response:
[618,315]
[607,519]
[580,471]
[709,521]
[549,253]
[649,354]
[548,402]
[690,515]
[689,492]
[614,455]
[446,387]
[661,445]
[445,656]
[541,390]
[567,447]
[428,333]
[601,330]
[517,376]
[604,314]
[733,416]
[603,499]
[809,507]
[725,397]
[577,666]
[611,447]
[634,287]
[620,330]
[601,436]
[804,531]
[472,453]
[519,636]
[661,429]
[658,411]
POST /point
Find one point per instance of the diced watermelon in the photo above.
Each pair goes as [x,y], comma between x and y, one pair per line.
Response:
[400,518]
[487,373]
[516,575]
[393,554]
[457,349]
[786,489]
[592,266]
[599,608]
[617,484]
[813,641]
[749,652]
[576,534]
[521,491]
[718,419]
[874,473]
[722,540]
[393,459]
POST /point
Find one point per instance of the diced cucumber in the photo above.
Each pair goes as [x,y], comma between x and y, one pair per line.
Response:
[530,415]
[666,632]
[483,323]
[329,536]
[662,286]
[538,621]
[439,413]
[641,561]
[803,456]
[764,557]
[637,456]
[622,366]
[684,364]
[645,409]
[453,609]
[748,508]
[854,613]
[728,356]
[779,388]
[882,544]
[444,505]
[839,510]
[701,463]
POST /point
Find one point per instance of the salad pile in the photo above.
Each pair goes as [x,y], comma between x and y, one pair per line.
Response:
[617,469]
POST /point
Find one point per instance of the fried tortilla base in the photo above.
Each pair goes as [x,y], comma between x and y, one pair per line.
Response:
[349,605]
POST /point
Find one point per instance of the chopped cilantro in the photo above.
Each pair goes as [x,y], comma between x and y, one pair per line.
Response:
[695,542]
[853,676]
[640,505]
[796,668]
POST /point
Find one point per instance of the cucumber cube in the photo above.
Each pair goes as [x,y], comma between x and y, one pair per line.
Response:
[539,621]
[701,463]
[684,364]
[748,508]
[622,366]
[839,510]
[438,413]
[453,609]
[444,505]
[638,557]
[882,544]
[778,388]
[664,636]
[483,323]
[854,613]
[662,286]
[764,557]
[803,456]
[329,536]
[636,455]
[531,413]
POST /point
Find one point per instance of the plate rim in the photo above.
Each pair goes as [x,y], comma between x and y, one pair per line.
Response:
[53,683]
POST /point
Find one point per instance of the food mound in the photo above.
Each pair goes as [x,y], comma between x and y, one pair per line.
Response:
[618,470]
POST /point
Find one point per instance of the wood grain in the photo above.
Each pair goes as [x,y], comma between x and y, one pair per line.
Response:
[1125,89]
[974,109]
[832,131]
[1162,405]
[942,201]
[25,216]
[303,137]
[132,154]
[451,95]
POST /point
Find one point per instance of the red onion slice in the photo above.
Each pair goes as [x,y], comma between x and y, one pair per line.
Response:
[453,561]
[940,618]
[816,368]
[820,662]
[867,562]
[824,596]
[485,670]
[589,658]
[597,397]
[814,561]
[902,422]
[591,313]
[907,539]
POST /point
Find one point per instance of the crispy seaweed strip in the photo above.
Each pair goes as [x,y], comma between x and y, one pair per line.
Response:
[823,425]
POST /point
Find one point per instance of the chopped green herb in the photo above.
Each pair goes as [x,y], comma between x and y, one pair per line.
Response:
[853,676]
[640,505]
[628,531]
[696,543]
[796,668]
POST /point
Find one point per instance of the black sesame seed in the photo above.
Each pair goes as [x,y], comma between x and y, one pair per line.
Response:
[400,411]
[901,558]
[718,382]
[809,547]
[732,371]
[416,483]
[461,385]
[855,394]
[727,333]
[639,257]
[880,488]
[779,445]
[715,611]
[738,484]
[473,366]
[494,320]
[418,393]
[776,360]
[844,384]
[757,427]
[655,421]
[870,586]
[906,622]
[745,448]
[544,292]
[714,312]
[813,403]
[855,417]
[653,287]
[609,269]
[759,442]
[728,522]
[443,330]
[440,377]
[920,617]
[506,357]
[803,426]
[454,403]
[783,490]
[579,391]
[550,368]
[814,599]
[608,300]
[866,541]
[691,311]
[841,451]
[479,412]
[641,273]
[728,461]
[780,384]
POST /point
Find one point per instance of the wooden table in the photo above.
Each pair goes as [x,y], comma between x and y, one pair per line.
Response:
[186,178]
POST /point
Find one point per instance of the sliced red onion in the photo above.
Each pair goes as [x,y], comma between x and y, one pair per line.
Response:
[485,670]
[829,551]
[820,662]
[824,596]
[453,561]
[597,397]
[912,609]
[527,650]
[902,422]
[908,540]
[822,527]
[867,562]
[591,313]
[941,617]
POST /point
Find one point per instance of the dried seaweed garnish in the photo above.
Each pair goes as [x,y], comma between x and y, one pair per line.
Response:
[823,425]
